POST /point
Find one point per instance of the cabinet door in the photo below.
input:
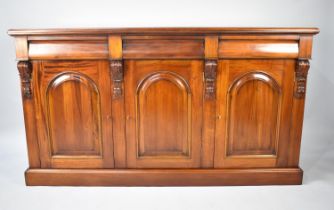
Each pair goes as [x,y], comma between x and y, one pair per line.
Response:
[254,102]
[73,113]
[163,105]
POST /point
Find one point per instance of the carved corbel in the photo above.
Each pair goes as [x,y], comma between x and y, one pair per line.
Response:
[301,71]
[210,76]
[25,71]
[116,67]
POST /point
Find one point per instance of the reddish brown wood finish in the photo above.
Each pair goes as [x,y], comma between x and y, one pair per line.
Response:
[165,31]
[160,49]
[166,177]
[70,50]
[254,107]
[21,48]
[72,101]
[209,105]
[163,106]
[163,101]
[25,70]
[258,49]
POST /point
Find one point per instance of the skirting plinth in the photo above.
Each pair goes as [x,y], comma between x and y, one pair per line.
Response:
[163,177]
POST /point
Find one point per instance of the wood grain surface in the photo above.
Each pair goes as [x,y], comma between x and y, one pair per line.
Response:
[163,106]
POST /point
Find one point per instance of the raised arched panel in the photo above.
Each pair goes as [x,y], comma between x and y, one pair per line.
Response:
[74,118]
[163,115]
[253,114]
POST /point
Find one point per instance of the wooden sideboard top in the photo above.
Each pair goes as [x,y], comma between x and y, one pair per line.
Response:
[157,31]
[163,43]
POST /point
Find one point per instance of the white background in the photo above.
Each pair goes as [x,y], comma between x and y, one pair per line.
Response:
[317,152]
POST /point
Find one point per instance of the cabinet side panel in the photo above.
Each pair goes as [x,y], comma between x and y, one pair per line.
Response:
[301,71]
[29,114]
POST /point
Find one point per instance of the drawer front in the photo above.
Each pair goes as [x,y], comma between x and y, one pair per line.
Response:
[68,50]
[258,49]
[163,102]
[254,113]
[172,48]
[72,106]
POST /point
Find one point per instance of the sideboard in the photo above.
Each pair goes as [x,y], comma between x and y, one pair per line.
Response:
[163,106]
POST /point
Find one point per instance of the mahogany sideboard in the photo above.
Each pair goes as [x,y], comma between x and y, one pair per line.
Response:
[163,106]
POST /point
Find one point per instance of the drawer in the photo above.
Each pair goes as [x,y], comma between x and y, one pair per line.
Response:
[163,48]
[68,50]
[258,49]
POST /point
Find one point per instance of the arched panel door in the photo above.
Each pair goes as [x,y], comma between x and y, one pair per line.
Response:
[163,117]
[253,115]
[253,108]
[73,115]
[163,113]
[75,99]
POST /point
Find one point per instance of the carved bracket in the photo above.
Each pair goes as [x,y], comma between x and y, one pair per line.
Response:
[117,74]
[25,71]
[210,76]
[300,78]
